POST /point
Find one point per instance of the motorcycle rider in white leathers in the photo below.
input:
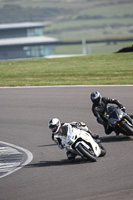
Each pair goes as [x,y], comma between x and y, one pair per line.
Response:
[65,130]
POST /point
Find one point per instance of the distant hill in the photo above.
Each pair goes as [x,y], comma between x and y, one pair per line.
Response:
[73,19]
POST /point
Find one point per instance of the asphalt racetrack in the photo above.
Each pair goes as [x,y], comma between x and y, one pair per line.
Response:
[24,115]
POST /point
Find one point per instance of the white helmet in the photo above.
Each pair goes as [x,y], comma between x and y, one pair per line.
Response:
[54,124]
[95,97]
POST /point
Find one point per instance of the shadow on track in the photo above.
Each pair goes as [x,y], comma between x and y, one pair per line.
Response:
[105,139]
[121,138]
[47,145]
[58,163]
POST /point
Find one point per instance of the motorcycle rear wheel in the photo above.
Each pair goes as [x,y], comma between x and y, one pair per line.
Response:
[128,128]
[89,154]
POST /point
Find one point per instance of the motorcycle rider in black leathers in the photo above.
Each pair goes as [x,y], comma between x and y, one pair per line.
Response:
[99,107]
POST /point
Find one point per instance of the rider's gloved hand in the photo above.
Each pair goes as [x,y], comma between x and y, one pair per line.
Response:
[60,145]
[123,109]
[54,138]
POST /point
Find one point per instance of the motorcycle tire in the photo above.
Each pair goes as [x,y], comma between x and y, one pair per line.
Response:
[103,150]
[89,154]
[127,128]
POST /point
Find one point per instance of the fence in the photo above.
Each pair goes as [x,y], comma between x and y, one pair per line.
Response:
[87,47]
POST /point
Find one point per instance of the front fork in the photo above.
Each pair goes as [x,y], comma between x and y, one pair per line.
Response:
[119,124]
[125,121]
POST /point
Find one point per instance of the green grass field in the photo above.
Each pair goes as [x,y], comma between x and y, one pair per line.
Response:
[94,19]
[84,70]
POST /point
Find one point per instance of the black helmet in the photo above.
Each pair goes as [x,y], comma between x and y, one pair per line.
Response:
[95,97]
[54,124]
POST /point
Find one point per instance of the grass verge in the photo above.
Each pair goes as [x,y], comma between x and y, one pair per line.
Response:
[84,70]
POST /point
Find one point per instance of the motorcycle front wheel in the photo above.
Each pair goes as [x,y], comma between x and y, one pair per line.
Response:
[89,154]
[127,128]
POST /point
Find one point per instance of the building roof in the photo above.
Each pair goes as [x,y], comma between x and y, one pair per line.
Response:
[28,41]
[22,25]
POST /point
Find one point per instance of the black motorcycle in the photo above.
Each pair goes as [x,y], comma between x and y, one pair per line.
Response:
[120,121]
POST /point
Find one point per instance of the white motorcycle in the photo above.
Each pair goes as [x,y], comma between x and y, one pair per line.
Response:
[81,143]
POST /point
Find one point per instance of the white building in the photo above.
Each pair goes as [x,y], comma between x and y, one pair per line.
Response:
[25,40]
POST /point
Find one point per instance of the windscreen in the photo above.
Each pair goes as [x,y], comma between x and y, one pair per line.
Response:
[112,112]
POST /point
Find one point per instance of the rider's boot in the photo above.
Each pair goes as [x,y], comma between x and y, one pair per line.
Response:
[70,155]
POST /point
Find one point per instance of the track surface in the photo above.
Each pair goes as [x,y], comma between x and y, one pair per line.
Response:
[23,122]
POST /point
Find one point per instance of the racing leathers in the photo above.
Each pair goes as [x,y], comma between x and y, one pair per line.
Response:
[64,131]
[99,108]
